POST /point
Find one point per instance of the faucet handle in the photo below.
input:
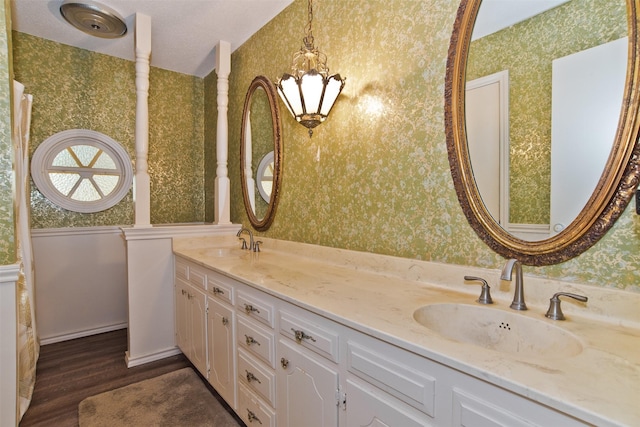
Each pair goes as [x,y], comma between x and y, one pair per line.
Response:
[485,295]
[555,311]
[256,245]
[244,242]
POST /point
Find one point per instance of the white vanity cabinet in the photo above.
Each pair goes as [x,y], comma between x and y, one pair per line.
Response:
[389,386]
[473,402]
[386,385]
[191,317]
[256,357]
[278,364]
[220,335]
[308,375]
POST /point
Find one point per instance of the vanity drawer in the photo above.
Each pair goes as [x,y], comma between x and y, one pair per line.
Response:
[396,371]
[257,340]
[256,307]
[316,338]
[253,411]
[255,377]
[219,288]
[198,277]
[182,269]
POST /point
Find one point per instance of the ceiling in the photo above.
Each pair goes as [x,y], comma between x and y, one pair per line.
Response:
[184,33]
[495,15]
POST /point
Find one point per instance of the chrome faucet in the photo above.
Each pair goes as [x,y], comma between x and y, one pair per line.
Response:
[518,294]
[244,242]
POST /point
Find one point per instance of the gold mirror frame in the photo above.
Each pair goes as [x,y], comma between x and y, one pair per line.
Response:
[612,193]
[268,87]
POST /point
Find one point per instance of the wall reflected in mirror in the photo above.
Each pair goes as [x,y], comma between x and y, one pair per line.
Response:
[543,99]
[261,153]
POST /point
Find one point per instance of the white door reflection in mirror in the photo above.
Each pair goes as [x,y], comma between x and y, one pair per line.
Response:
[487,109]
[586,90]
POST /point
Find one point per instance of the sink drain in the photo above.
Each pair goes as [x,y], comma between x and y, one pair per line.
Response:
[504,325]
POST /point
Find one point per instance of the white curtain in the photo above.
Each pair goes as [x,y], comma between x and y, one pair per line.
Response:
[28,345]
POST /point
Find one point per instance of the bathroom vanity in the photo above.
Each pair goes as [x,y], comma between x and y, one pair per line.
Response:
[299,334]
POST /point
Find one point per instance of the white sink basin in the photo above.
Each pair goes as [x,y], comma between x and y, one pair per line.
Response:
[224,251]
[498,330]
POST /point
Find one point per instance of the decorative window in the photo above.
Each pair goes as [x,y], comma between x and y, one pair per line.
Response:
[82,170]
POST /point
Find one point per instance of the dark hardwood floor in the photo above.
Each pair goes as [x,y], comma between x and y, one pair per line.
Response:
[70,371]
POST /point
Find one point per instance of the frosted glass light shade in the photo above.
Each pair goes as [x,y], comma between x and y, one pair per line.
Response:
[310,98]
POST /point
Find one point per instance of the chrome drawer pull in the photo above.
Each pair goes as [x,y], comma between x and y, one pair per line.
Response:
[249,308]
[250,340]
[251,416]
[217,291]
[251,377]
[300,335]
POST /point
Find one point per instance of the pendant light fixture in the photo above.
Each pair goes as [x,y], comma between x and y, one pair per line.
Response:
[308,90]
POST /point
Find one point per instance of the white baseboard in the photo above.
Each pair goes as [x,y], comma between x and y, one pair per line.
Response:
[529,232]
[81,334]
[141,360]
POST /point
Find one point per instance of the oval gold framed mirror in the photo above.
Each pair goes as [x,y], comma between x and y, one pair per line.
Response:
[613,189]
[261,153]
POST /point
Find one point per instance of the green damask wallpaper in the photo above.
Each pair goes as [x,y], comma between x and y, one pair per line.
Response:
[75,88]
[526,50]
[375,176]
[7,224]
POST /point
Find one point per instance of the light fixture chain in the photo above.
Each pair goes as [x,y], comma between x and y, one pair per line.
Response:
[308,40]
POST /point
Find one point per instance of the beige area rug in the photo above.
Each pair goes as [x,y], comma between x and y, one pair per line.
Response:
[178,398]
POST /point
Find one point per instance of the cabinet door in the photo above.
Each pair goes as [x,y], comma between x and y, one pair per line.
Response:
[306,389]
[220,321]
[182,317]
[368,406]
[198,325]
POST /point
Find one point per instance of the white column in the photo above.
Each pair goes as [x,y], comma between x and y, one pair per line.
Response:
[142,183]
[222,208]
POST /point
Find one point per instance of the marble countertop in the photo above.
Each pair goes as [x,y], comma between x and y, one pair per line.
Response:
[378,294]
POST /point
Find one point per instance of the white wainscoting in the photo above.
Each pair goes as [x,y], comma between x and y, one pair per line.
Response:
[8,345]
[80,281]
[150,287]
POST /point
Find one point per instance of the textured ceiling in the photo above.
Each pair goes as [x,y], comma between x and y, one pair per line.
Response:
[495,15]
[183,32]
